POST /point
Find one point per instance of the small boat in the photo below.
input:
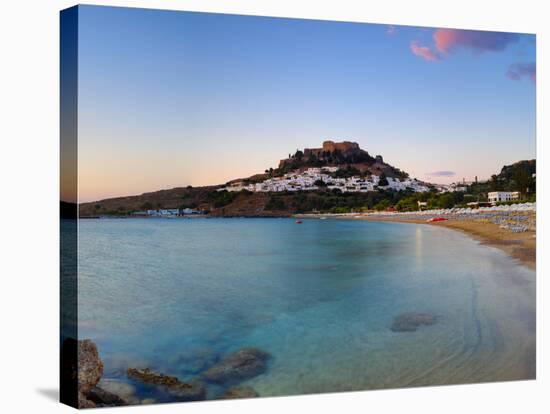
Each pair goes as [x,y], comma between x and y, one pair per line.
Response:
[298,222]
[435,219]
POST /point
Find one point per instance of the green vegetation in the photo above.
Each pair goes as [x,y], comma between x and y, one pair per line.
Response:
[332,201]
[434,200]
[221,198]
[382,205]
[275,203]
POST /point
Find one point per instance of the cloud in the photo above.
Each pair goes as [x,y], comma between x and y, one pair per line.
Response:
[448,40]
[518,70]
[391,30]
[424,51]
[441,174]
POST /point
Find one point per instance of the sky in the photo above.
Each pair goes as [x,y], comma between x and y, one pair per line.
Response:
[169,99]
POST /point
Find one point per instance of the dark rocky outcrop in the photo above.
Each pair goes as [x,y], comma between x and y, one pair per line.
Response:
[90,370]
[411,321]
[239,392]
[183,391]
[103,398]
[238,366]
[81,364]
[90,367]
[84,402]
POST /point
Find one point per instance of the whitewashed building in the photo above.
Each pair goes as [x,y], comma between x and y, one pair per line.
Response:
[500,196]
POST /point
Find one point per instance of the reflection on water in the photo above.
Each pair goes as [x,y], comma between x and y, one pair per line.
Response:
[319,297]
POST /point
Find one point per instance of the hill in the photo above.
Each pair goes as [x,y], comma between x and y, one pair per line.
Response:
[339,154]
[519,176]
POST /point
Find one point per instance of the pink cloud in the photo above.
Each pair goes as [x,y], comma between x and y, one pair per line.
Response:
[448,40]
[424,51]
[519,70]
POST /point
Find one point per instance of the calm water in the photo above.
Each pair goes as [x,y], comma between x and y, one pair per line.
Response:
[320,297]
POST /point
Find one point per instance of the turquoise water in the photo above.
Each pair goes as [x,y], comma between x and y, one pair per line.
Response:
[319,297]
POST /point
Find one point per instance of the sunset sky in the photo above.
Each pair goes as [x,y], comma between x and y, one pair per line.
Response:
[169,99]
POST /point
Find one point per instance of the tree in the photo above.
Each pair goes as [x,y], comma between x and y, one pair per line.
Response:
[407,204]
[523,180]
[383,180]
[446,200]
[382,205]
[494,183]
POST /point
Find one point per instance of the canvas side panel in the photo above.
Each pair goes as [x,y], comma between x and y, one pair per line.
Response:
[68,205]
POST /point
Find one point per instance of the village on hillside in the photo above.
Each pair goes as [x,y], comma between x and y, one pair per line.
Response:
[323,177]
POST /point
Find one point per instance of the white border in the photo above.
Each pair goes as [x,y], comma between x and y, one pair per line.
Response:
[29,194]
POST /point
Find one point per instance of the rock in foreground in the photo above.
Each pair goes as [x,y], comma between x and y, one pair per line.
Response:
[82,367]
[89,371]
[238,366]
[239,392]
[90,367]
[411,321]
[103,398]
[183,391]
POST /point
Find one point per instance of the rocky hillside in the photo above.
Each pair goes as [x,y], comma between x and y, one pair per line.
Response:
[339,154]
[180,197]
[205,199]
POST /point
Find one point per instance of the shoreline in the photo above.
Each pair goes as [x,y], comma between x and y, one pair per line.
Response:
[521,246]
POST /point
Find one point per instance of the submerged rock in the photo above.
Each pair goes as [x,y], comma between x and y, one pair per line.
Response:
[410,321]
[244,364]
[183,391]
[196,360]
[191,391]
[125,391]
[239,392]
[103,398]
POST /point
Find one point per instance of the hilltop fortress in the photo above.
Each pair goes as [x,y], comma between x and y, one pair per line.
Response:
[339,154]
[345,147]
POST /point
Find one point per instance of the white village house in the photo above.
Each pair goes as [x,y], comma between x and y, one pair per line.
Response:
[499,196]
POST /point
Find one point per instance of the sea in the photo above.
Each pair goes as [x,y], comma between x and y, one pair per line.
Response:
[177,295]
